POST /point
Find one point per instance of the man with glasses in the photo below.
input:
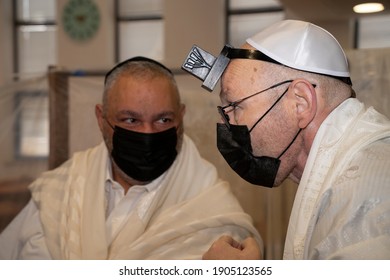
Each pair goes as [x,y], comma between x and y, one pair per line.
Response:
[143,193]
[289,110]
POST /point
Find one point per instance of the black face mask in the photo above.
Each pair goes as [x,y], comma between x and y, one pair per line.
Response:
[144,156]
[235,147]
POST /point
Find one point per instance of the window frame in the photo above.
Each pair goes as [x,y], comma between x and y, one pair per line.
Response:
[16,24]
[246,11]
[357,44]
[18,99]
[120,19]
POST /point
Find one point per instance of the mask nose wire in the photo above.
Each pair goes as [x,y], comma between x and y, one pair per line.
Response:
[273,105]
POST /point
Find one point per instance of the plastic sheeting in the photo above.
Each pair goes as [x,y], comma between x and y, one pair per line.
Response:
[73,127]
[23,141]
[370,72]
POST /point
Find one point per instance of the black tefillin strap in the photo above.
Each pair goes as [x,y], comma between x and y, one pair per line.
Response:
[250,54]
[209,68]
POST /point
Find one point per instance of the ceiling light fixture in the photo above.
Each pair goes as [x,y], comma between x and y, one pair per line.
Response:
[368,8]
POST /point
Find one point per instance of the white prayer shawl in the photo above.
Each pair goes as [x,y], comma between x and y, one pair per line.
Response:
[190,209]
[342,206]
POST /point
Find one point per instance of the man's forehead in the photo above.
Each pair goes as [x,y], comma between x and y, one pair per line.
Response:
[134,93]
[143,110]
[243,71]
[231,76]
[241,67]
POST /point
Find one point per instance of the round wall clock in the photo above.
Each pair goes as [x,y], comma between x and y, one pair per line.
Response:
[81,19]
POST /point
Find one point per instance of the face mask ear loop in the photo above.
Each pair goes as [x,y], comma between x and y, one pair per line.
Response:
[109,124]
[273,105]
[295,137]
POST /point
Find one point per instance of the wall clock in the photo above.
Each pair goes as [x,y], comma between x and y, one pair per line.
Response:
[81,19]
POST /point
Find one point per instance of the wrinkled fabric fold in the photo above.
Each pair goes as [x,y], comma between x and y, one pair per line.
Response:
[338,182]
[192,208]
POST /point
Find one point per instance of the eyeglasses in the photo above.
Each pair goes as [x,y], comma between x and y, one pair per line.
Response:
[222,109]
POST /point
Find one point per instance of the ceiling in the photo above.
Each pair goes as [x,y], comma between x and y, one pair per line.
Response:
[323,10]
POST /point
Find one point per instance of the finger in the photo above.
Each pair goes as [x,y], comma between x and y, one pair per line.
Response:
[222,249]
[248,242]
[250,249]
[230,240]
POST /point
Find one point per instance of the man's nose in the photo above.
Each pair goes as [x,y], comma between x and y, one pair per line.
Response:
[147,128]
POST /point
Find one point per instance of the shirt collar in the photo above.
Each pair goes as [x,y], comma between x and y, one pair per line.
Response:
[110,182]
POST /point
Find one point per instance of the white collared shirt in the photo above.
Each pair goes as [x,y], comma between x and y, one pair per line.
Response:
[119,205]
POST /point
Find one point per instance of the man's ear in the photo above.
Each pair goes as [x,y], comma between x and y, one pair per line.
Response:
[305,100]
[99,116]
[182,110]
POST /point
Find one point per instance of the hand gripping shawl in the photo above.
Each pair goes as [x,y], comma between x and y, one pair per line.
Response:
[342,206]
[187,213]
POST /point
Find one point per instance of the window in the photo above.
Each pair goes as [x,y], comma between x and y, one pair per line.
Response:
[246,17]
[35,35]
[32,125]
[140,28]
[373,32]
[35,49]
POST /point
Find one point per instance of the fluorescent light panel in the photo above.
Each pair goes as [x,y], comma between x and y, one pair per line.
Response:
[368,8]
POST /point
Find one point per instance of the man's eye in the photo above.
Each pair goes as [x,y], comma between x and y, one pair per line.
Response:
[165,120]
[129,120]
[232,107]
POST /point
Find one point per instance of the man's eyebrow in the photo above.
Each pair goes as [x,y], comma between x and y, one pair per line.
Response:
[165,114]
[128,113]
[226,96]
[133,114]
